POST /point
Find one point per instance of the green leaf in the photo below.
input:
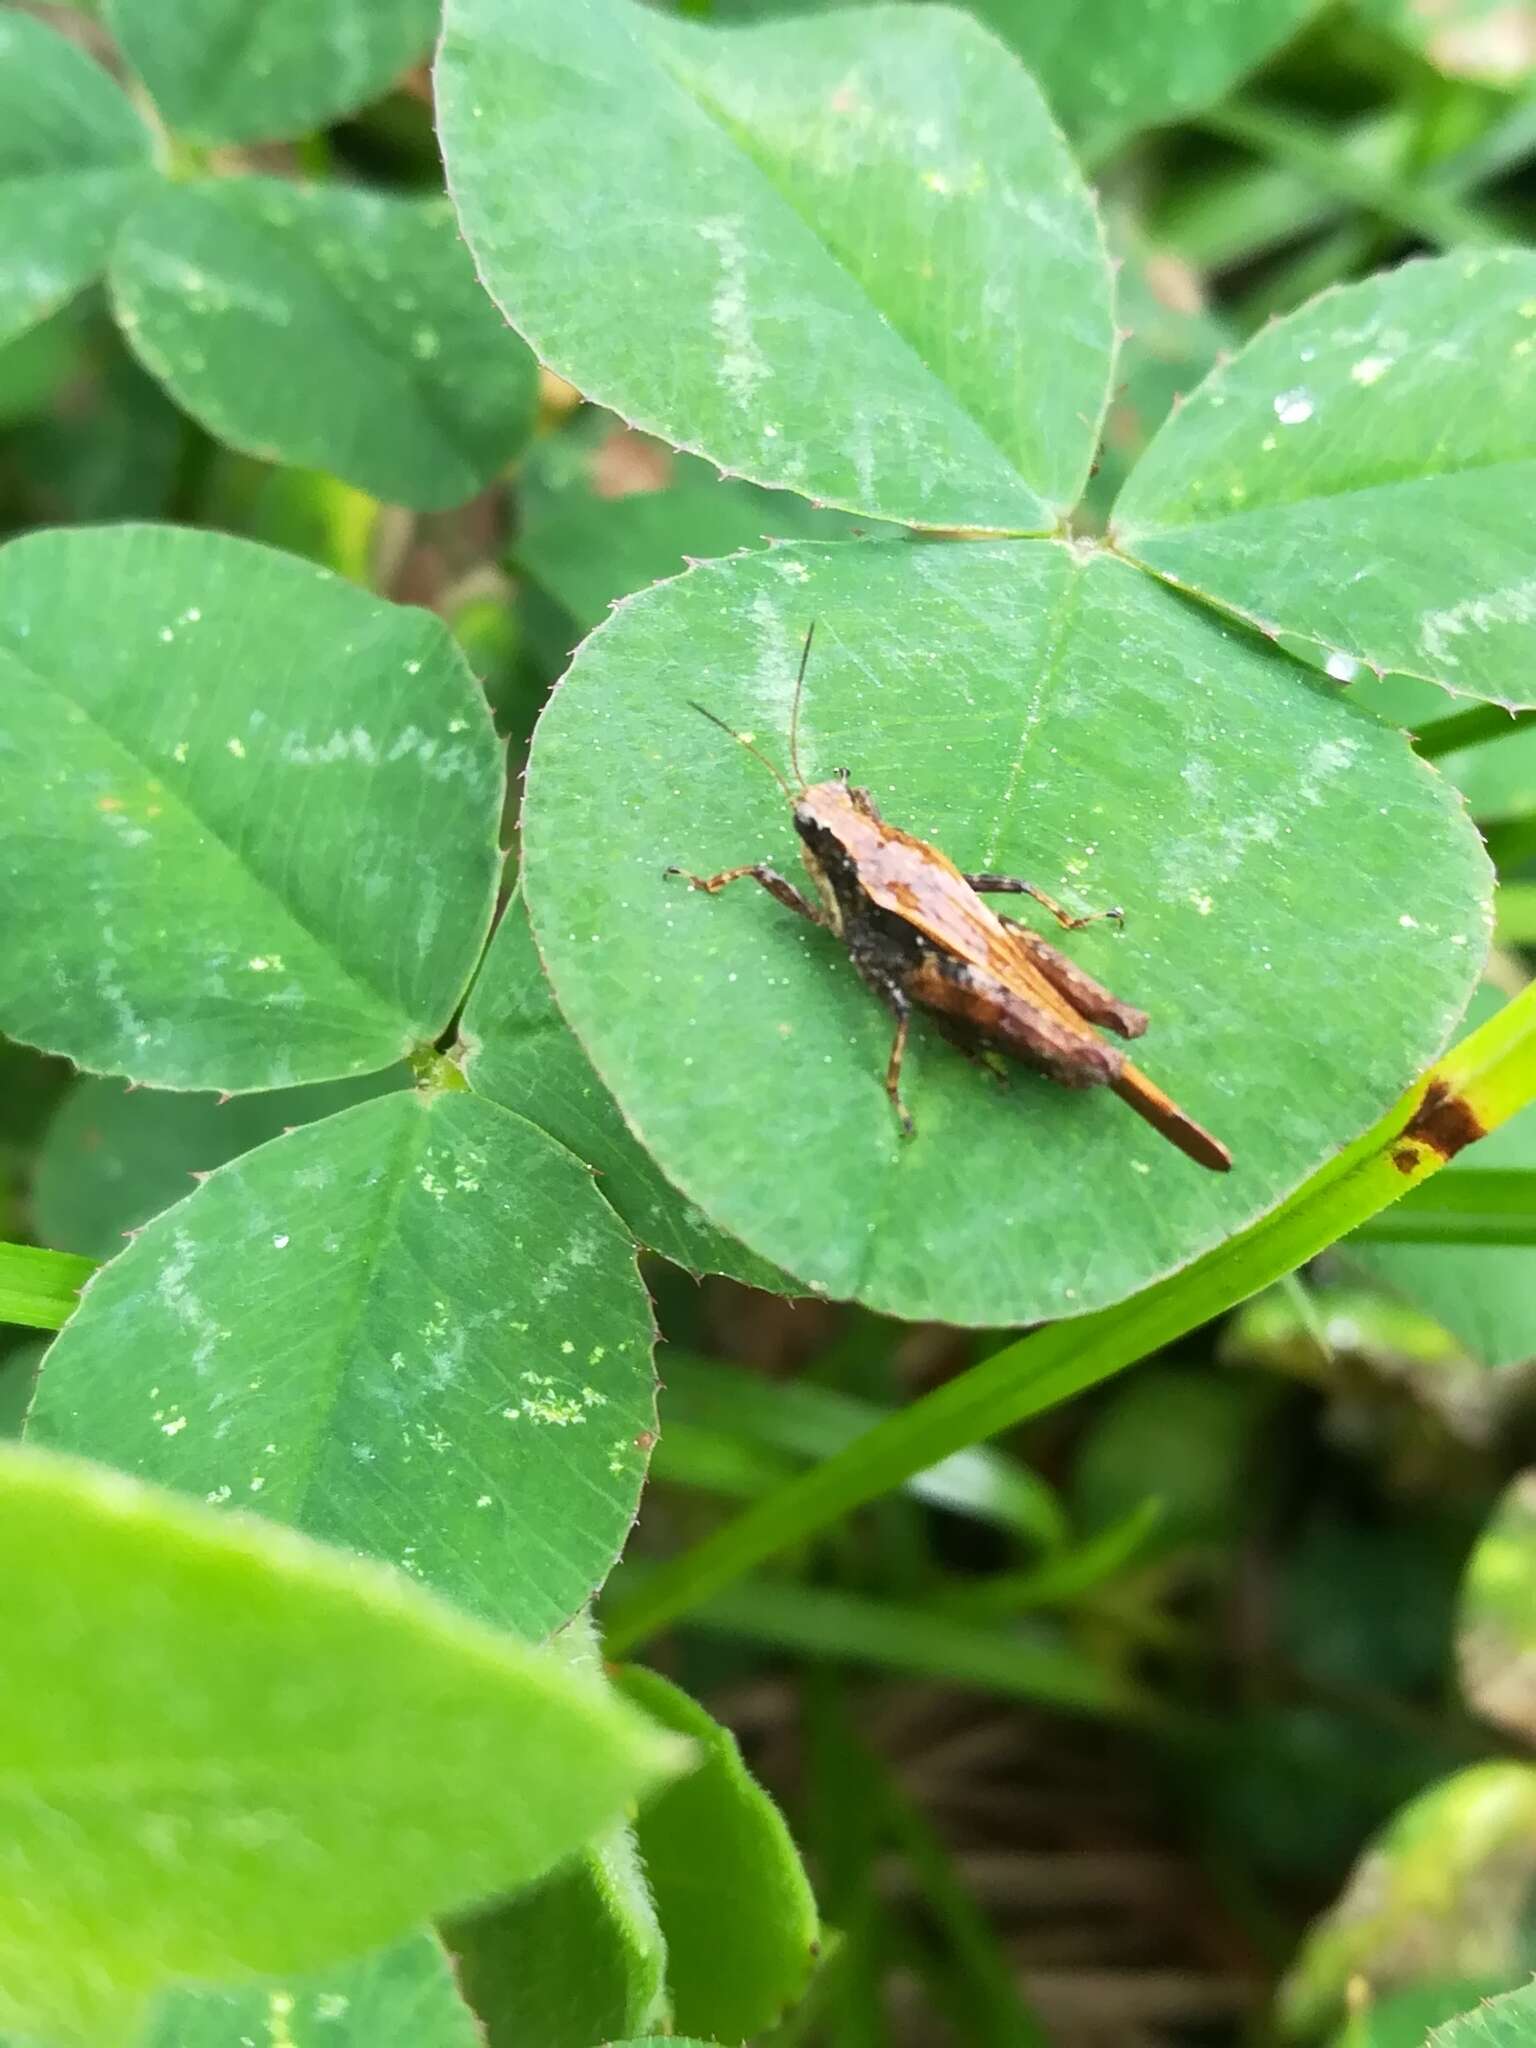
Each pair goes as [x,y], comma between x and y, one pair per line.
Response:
[569,1961]
[327,328]
[414,1328]
[1485,1295]
[74,157]
[1496,1624]
[861,263]
[1359,476]
[235,71]
[230,1751]
[112,1157]
[520,1053]
[1112,67]
[1030,708]
[1508,2022]
[579,1957]
[732,1897]
[1402,2019]
[1491,41]
[1441,1892]
[588,551]
[400,1997]
[1496,772]
[270,799]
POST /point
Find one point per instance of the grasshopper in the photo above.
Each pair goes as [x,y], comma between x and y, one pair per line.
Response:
[920,937]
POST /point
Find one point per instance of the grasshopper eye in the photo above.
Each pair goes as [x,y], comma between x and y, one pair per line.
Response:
[841,774]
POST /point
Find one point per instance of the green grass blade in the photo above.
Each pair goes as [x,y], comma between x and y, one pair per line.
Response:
[39,1288]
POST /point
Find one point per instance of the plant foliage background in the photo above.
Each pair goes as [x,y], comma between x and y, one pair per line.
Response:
[407,416]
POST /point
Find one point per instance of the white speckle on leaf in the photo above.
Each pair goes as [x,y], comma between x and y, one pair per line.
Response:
[175,1427]
[236,747]
[742,365]
[1293,408]
[1514,605]
[1369,368]
[1342,667]
[1409,924]
[280,1242]
[353,745]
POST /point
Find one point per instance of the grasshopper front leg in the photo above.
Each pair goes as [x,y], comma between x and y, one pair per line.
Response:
[1013,885]
[765,876]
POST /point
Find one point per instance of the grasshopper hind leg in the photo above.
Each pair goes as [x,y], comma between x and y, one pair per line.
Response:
[1090,998]
[973,1044]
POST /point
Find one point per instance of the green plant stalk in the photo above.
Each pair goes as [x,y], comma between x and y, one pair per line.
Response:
[1285,138]
[1511,843]
[1468,729]
[1037,1665]
[1484,1081]
[40,1289]
[1062,1580]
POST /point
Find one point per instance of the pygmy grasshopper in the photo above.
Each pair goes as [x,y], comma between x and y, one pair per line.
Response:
[920,937]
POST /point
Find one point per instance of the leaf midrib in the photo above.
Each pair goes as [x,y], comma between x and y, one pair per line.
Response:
[340,1352]
[378,999]
[1128,537]
[740,139]
[368,341]
[891,1196]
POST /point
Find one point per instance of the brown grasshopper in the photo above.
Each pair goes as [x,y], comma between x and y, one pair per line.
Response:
[920,937]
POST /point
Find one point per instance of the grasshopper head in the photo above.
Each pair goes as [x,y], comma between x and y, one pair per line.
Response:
[836,822]
[834,807]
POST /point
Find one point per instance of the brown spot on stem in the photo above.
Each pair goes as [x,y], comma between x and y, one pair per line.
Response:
[1444,1121]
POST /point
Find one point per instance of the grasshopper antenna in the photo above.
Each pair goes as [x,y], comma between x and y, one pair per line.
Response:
[742,741]
[794,716]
